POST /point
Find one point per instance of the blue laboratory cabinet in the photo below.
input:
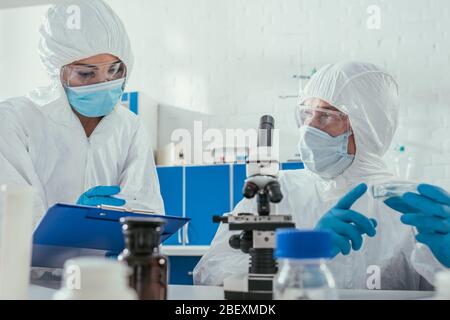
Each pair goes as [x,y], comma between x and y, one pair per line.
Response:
[239,176]
[292,166]
[207,194]
[197,192]
[171,185]
[131,100]
[181,268]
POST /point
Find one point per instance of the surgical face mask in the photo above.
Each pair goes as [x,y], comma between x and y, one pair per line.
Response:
[95,100]
[323,154]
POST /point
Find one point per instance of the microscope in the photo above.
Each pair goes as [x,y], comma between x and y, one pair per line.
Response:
[257,236]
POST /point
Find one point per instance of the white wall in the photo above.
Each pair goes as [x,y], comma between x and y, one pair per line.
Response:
[234,58]
[19,60]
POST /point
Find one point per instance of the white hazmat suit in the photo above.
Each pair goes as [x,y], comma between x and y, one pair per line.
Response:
[369,96]
[42,142]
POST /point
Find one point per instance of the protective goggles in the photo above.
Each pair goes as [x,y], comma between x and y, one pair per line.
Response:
[332,122]
[77,75]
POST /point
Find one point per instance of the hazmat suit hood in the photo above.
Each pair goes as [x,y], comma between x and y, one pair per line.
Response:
[369,96]
[75,30]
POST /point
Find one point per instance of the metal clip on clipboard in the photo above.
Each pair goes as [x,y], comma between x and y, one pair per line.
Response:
[125,209]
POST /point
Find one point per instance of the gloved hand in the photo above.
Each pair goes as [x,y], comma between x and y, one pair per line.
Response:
[429,212]
[101,195]
[347,225]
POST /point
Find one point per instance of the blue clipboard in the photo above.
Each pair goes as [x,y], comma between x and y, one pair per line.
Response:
[69,231]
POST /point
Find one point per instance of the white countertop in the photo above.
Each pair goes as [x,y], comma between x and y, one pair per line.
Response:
[184,251]
[216,293]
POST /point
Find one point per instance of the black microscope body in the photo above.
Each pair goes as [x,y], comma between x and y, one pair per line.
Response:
[257,236]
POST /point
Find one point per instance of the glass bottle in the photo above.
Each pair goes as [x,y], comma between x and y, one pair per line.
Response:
[149,267]
[303,273]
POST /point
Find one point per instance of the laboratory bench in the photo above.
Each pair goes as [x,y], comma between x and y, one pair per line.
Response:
[184,251]
[182,292]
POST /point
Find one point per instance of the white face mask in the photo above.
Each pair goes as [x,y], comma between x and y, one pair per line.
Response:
[323,154]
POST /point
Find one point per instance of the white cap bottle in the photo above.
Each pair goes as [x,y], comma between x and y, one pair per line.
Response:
[95,278]
[16,234]
[442,284]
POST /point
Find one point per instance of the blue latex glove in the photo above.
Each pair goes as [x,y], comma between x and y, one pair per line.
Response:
[429,212]
[347,225]
[101,195]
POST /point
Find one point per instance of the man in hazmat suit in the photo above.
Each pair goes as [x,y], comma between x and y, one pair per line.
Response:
[347,117]
[73,141]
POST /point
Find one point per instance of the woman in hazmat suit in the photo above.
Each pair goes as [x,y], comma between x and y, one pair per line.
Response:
[347,117]
[73,141]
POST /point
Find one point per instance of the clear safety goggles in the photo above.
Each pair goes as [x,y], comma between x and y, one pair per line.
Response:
[77,75]
[332,122]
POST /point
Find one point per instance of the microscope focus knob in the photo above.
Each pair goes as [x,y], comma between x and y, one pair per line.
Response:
[242,241]
[235,242]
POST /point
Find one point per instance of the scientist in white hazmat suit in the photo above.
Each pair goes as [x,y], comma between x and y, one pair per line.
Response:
[73,141]
[347,117]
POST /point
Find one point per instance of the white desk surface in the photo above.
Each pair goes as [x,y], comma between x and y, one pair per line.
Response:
[216,293]
[186,251]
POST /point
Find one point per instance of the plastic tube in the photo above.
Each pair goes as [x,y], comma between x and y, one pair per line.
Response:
[392,189]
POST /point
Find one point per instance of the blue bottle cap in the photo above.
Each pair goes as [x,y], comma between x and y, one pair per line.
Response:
[303,244]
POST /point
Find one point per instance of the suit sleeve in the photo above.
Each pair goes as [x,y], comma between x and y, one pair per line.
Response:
[16,166]
[139,180]
[222,261]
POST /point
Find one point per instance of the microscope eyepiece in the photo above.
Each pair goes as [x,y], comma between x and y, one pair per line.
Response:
[250,190]
[274,192]
[266,125]
[267,122]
